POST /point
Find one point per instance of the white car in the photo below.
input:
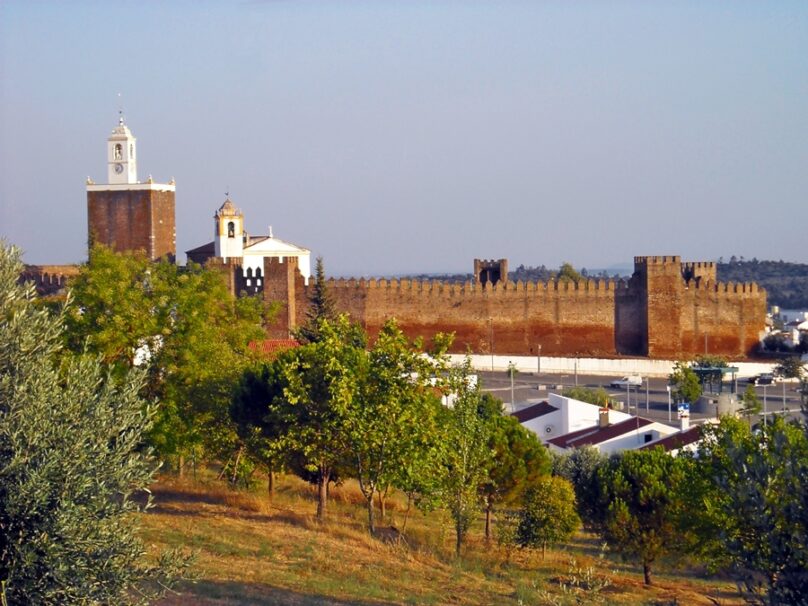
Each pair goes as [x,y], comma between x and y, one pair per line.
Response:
[629,381]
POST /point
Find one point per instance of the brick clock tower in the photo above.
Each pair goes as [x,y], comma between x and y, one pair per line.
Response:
[128,215]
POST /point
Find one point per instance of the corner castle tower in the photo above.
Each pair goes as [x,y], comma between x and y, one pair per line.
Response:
[125,214]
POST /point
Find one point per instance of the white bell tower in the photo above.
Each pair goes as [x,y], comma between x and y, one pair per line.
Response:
[121,158]
[229,232]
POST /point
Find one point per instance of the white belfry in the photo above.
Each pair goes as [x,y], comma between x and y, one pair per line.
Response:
[121,158]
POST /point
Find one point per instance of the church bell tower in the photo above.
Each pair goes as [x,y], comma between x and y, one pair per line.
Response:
[125,214]
[121,160]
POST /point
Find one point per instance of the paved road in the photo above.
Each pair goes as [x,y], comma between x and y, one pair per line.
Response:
[652,399]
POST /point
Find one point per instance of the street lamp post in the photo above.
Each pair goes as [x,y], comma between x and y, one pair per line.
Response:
[668,387]
[538,360]
[491,340]
[764,406]
[647,392]
[511,369]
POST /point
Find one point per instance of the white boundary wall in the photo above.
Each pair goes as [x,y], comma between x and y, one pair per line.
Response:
[596,366]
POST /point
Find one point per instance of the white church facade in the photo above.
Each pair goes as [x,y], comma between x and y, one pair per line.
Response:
[231,241]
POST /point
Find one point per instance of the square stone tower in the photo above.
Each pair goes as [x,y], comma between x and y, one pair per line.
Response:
[125,214]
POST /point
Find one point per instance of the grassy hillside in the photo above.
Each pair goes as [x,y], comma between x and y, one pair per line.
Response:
[254,552]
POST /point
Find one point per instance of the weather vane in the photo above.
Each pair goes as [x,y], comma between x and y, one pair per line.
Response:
[120,109]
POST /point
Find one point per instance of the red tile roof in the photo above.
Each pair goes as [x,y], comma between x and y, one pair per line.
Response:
[598,435]
[271,347]
[533,412]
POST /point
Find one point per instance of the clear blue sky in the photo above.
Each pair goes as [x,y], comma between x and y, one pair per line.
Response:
[412,136]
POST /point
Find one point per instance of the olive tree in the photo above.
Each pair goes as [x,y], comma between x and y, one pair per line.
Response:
[71,463]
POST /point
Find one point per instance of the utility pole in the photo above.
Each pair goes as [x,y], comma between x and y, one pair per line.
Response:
[538,360]
[647,392]
[491,340]
[764,406]
[511,370]
[668,387]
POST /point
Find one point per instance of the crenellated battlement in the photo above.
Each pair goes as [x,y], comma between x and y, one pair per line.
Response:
[49,279]
[655,313]
[503,289]
[657,260]
[699,271]
[732,288]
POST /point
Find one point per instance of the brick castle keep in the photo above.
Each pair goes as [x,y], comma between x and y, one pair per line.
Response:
[667,309]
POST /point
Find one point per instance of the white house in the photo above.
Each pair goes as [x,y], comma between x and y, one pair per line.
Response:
[609,437]
[561,415]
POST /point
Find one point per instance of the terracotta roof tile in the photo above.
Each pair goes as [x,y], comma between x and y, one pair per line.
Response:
[271,347]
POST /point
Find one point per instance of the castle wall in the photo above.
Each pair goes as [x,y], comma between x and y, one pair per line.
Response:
[730,315]
[514,317]
[49,279]
[656,313]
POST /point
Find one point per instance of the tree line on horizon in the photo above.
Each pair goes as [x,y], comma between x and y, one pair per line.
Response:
[786,283]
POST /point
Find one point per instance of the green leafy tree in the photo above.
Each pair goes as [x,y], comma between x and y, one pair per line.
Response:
[685,383]
[256,418]
[321,381]
[599,396]
[548,514]
[71,460]
[321,306]
[643,490]
[395,403]
[750,400]
[519,461]
[183,327]
[757,510]
[468,457]
[567,273]
[791,367]
[581,467]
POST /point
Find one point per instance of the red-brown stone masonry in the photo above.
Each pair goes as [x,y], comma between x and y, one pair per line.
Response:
[133,220]
[728,314]
[564,319]
[516,318]
[281,281]
[163,224]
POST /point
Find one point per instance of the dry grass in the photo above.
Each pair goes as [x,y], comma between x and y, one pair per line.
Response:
[253,551]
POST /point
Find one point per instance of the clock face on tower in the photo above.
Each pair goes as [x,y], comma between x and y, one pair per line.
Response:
[119,168]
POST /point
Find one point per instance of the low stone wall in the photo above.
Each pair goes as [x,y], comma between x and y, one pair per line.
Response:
[596,366]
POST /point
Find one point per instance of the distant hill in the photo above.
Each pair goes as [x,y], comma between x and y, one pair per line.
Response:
[786,283]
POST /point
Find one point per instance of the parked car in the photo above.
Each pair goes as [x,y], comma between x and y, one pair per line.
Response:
[765,378]
[630,381]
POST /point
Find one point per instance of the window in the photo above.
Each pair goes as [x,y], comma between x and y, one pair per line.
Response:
[132,151]
[118,152]
[231,230]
